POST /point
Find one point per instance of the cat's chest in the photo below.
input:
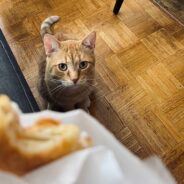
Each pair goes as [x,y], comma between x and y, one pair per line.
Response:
[71,95]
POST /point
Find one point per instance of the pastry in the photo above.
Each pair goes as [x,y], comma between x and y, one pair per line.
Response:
[23,149]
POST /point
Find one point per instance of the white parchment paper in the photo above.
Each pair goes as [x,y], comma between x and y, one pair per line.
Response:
[108,162]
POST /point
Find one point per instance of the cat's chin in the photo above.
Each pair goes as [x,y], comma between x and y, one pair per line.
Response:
[74,86]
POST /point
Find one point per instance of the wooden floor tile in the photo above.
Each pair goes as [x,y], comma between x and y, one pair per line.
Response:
[139,89]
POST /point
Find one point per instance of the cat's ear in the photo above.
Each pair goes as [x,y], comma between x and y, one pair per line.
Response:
[89,40]
[51,44]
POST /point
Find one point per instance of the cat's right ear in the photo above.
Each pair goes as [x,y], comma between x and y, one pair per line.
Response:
[51,44]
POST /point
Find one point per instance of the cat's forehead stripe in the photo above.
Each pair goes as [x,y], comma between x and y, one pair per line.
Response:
[73,55]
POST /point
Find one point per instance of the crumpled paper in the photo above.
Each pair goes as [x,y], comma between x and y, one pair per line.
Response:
[108,162]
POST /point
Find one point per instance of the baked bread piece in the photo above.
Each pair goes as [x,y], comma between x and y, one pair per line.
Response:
[23,149]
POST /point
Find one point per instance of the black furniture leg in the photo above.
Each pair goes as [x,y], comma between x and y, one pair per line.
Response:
[117,6]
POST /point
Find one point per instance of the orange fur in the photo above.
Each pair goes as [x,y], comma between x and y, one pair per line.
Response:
[68,87]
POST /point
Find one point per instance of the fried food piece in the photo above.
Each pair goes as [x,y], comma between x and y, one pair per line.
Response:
[23,149]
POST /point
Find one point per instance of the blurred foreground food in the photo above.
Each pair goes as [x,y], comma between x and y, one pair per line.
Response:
[23,149]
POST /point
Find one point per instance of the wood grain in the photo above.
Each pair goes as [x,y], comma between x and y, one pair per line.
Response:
[174,8]
[139,91]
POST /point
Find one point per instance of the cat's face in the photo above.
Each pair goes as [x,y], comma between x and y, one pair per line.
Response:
[71,62]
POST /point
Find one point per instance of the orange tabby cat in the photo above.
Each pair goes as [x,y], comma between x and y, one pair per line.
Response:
[68,75]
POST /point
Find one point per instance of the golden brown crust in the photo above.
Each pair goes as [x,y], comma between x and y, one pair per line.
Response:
[23,149]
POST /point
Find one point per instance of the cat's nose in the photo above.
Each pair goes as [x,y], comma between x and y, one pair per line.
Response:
[75,80]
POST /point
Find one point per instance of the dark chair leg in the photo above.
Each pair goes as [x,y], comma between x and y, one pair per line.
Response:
[117,6]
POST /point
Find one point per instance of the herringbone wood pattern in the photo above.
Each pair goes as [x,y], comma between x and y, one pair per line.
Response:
[140,67]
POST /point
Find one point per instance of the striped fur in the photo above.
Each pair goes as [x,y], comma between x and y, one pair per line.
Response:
[46,24]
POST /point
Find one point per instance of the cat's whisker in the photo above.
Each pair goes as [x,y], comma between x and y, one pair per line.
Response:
[84,82]
[87,80]
[90,85]
[62,91]
[56,89]
[90,80]
[53,91]
[54,80]
[94,83]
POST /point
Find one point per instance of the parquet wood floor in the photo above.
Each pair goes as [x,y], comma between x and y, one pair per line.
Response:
[140,67]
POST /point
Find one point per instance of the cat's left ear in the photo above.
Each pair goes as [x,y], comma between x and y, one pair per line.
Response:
[89,41]
[51,44]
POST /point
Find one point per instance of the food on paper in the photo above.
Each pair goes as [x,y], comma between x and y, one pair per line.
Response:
[23,149]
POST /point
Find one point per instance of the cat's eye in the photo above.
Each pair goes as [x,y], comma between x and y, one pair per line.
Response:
[83,64]
[62,66]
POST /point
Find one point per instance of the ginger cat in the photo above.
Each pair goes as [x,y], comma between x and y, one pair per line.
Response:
[68,72]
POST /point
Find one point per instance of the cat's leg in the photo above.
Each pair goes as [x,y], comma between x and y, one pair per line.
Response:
[85,104]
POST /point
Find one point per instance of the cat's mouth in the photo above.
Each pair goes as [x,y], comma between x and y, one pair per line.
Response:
[73,83]
[58,84]
[69,83]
